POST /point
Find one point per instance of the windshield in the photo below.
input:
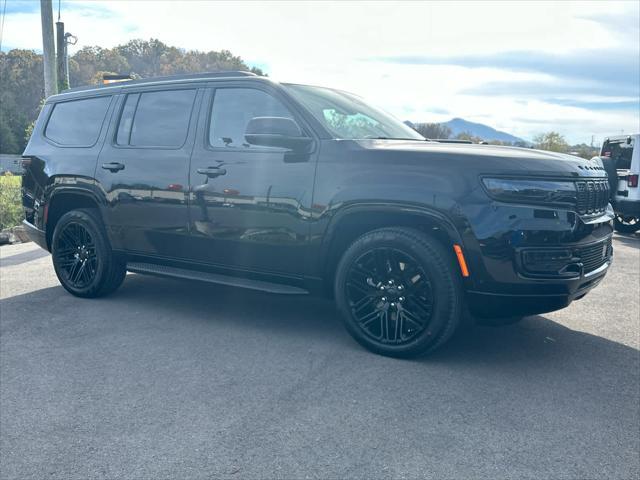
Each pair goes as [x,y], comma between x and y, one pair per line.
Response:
[347,117]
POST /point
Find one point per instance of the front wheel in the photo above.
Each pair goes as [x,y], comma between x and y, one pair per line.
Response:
[626,224]
[398,292]
[82,256]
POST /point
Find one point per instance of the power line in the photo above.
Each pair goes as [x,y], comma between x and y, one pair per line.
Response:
[4,14]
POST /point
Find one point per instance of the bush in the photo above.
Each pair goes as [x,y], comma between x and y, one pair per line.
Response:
[11,212]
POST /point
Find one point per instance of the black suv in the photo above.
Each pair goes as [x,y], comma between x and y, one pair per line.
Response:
[293,189]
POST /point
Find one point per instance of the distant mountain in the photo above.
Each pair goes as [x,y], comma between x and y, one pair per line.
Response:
[460,125]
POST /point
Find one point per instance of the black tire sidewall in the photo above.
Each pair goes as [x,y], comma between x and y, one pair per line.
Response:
[103,251]
[624,228]
[447,294]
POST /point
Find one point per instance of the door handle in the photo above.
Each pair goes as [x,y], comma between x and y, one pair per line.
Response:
[212,171]
[113,166]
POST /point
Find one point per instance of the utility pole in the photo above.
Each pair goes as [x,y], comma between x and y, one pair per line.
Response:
[48,49]
[61,50]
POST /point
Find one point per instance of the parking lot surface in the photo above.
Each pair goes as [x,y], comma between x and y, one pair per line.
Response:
[175,379]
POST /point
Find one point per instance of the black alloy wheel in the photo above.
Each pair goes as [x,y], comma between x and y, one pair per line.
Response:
[82,256]
[399,292]
[390,295]
[75,255]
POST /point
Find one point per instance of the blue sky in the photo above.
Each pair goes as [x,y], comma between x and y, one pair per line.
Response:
[521,67]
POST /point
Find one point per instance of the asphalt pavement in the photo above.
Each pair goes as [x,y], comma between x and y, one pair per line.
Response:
[177,379]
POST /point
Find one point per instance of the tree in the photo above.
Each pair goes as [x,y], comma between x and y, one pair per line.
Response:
[432,130]
[468,136]
[583,150]
[551,141]
[8,140]
[22,88]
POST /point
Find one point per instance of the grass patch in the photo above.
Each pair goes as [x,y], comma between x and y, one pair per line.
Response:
[11,213]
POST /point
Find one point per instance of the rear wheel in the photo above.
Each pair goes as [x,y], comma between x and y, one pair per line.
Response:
[82,256]
[626,224]
[398,292]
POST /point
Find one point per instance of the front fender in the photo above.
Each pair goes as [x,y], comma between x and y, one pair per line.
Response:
[391,208]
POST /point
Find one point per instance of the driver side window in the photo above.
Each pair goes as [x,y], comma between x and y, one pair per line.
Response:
[233,108]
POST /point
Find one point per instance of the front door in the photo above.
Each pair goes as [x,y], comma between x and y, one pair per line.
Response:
[249,205]
[144,170]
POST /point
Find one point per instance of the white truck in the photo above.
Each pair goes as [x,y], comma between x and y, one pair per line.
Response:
[621,158]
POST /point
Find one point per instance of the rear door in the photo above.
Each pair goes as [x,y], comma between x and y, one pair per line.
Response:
[144,170]
[250,205]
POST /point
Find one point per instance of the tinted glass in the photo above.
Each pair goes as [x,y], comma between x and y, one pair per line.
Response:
[161,119]
[346,116]
[232,110]
[126,119]
[77,122]
[621,152]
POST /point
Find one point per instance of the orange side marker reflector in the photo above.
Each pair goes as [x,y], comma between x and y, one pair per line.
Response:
[461,261]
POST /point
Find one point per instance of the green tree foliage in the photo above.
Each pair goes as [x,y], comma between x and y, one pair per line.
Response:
[433,130]
[8,140]
[22,85]
[11,212]
[29,130]
[551,141]
[469,137]
[585,151]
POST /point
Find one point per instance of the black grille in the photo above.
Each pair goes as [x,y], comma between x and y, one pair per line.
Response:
[593,196]
[594,256]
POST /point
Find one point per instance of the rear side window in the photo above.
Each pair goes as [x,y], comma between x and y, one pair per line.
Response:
[78,122]
[156,119]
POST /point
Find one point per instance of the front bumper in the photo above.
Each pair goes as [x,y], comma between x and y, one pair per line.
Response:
[529,260]
[499,305]
[35,234]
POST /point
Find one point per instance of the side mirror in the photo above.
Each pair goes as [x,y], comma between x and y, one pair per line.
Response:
[276,132]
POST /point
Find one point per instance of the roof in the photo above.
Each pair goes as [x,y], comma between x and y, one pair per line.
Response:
[621,138]
[185,78]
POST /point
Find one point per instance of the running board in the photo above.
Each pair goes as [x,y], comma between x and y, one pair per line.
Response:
[153,269]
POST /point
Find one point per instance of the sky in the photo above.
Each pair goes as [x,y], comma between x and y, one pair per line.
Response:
[521,67]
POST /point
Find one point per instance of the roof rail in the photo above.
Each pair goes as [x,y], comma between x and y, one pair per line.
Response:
[167,78]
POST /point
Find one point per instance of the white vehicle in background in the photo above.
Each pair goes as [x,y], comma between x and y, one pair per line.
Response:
[621,158]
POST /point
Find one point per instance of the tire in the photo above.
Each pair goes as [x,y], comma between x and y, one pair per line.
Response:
[82,257]
[405,306]
[624,224]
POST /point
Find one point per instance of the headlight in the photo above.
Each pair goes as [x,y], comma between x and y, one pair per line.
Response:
[530,190]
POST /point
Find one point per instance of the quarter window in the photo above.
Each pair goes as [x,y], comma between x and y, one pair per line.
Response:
[156,119]
[232,110]
[78,122]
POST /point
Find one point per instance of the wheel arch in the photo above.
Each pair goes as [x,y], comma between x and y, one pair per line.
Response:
[355,220]
[64,199]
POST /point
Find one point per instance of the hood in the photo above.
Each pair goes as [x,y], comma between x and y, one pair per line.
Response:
[490,159]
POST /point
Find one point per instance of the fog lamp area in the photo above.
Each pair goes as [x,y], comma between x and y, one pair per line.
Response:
[550,262]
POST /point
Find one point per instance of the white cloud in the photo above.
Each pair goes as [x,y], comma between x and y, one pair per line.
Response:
[333,43]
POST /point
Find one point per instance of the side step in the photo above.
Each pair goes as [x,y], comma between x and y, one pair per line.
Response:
[153,269]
